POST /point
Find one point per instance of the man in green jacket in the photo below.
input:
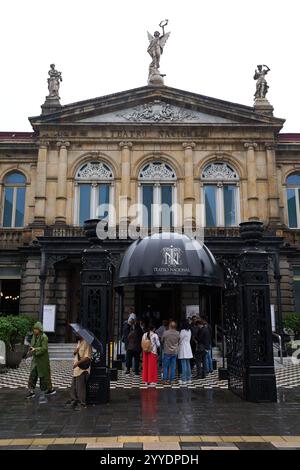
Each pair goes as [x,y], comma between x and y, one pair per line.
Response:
[40,365]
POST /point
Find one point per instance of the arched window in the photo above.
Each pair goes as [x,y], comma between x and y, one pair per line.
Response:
[157,182]
[14,200]
[220,195]
[293,197]
[93,192]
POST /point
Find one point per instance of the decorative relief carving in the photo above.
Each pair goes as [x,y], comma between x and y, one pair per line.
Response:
[157,171]
[94,170]
[219,171]
[157,112]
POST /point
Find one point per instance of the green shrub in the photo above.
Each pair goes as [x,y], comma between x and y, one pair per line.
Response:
[13,329]
[292,322]
[7,330]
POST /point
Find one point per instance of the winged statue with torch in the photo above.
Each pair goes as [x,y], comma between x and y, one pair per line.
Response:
[155,49]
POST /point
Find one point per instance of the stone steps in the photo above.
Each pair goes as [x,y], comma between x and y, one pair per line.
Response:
[61,351]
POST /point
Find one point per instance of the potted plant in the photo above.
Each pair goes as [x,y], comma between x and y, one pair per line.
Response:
[13,329]
[292,325]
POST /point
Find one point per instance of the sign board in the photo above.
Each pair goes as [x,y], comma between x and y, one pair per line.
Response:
[192,310]
[49,314]
[273,320]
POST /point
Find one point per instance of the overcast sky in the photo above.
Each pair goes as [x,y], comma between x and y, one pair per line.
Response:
[101,47]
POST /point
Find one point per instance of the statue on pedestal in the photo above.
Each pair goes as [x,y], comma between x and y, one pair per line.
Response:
[155,49]
[54,82]
[261,84]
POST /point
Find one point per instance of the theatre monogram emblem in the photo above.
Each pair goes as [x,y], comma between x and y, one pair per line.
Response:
[171,261]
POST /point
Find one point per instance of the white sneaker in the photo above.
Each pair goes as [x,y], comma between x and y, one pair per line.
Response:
[183,382]
[189,382]
[152,384]
[180,382]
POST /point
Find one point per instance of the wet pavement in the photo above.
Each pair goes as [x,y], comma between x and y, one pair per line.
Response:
[150,412]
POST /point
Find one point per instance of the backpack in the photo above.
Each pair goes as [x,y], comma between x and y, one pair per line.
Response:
[146,344]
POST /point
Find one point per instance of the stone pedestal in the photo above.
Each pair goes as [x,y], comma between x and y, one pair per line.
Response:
[51,105]
[262,105]
[155,78]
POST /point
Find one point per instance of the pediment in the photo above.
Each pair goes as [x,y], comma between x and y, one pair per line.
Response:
[156,111]
[156,105]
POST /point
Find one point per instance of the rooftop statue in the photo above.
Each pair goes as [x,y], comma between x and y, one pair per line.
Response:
[155,49]
[261,84]
[54,82]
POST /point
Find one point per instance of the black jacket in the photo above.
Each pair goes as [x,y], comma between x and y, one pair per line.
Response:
[204,337]
[125,332]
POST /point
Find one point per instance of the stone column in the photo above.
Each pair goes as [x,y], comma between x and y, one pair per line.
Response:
[251,185]
[189,196]
[281,194]
[41,180]
[125,180]
[61,194]
[272,184]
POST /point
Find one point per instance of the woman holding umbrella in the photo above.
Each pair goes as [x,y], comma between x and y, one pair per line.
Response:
[81,371]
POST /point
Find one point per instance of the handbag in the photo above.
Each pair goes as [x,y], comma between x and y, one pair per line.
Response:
[84,365]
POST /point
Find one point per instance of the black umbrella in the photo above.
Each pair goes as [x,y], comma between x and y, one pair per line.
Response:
[88,336]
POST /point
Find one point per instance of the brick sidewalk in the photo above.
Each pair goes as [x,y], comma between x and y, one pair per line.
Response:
[149,443]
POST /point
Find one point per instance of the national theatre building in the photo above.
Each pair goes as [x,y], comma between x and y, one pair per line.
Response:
[189,160]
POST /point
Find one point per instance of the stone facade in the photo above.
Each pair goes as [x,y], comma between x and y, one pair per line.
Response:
[126,131]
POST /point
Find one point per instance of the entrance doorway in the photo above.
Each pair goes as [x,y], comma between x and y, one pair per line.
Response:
[155,304]
[9,296]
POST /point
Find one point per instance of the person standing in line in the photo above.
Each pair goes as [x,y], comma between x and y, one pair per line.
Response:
[194,331]
[201,348]
[150,345]
[81,372]
[40,365]
[185,353]
[127,327]
[160,331]
[134,348]
[208,364]
[170,341]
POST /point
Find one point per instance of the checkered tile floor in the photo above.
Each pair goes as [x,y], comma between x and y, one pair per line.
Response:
[287,377]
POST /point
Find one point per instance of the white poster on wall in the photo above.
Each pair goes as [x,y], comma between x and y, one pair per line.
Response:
[49,314]
[273,320]
[191,310]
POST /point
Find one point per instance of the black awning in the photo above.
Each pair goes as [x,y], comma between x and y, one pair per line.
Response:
[169,258]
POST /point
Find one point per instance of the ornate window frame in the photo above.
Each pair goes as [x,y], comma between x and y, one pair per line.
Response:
[156,173]
[219,174]
[14,186]
[296,188]
[94,173]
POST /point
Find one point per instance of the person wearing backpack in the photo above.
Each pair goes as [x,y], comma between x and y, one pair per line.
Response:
[150,346]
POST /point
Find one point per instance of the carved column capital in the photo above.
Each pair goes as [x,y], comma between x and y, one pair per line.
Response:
[188,145]
[127,145]
[269,145]
[250,145]
[43,144]
[63,144]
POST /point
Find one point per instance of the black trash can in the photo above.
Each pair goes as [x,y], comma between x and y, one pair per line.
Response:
[98,386]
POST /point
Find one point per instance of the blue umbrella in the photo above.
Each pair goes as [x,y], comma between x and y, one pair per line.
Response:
[88,336]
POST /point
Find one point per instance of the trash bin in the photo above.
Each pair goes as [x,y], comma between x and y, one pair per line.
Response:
[98,386]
